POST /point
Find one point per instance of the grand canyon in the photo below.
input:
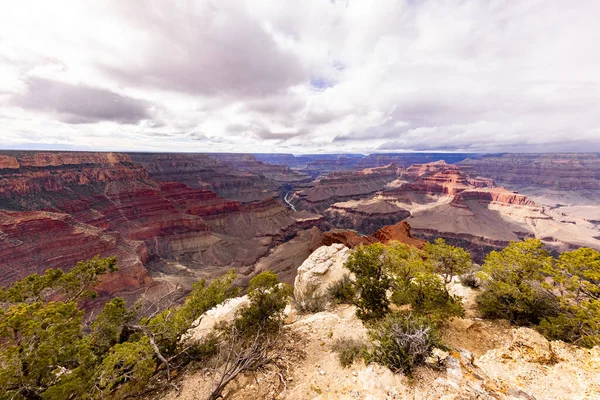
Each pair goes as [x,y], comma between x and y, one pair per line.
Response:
[301,200]
[172,218]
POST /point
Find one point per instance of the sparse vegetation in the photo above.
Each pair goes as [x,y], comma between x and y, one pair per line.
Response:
[310,299]
[48,351]
[401,342]
[348,350]
[252,340]
[471,280]
[342,291]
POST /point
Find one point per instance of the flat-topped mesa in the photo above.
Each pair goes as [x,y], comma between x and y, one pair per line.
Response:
[365,216]
[562,171]
[17,159]
[344,185]
[497,195]
[437,178]
[405,160]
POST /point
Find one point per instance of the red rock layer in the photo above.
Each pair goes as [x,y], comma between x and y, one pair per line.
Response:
[43,174]
[207,172]
[34,241]
[109,205]
[399,232]
[348,238]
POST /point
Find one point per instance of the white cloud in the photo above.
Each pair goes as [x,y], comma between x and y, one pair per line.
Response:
[305,76]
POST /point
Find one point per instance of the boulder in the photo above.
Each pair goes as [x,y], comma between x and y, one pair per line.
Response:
[224,312]
[324,266]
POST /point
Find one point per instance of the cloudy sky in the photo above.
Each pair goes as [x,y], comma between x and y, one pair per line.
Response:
[300,76]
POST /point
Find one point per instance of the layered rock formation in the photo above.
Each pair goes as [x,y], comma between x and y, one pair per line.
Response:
[33,241]
[60,208]
[206,172]
[345,185]
[580,171]
[276,172]
[365,216]
[445,200]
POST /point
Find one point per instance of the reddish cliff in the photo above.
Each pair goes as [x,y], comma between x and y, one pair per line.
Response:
[399,232]
[67,207]
[34,241]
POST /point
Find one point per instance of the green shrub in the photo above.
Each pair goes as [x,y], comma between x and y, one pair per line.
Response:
[427,296]
[126,370]
[525,285]
[349,350]
[342,291]
[579,324]
[268,298]
[514,287]
[401,342]
[372,282]
[309,299]
[447,260]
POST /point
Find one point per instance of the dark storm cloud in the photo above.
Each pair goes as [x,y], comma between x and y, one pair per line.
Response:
[209,48]
[76,104]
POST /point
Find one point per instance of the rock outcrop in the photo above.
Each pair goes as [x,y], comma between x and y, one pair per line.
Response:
[323,267]
[365,216]
[400,232]
[224,313]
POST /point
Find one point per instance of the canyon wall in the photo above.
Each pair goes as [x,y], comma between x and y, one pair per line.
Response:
[551,171]
[57,208]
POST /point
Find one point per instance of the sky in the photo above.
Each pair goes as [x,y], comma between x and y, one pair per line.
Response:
[306,76]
